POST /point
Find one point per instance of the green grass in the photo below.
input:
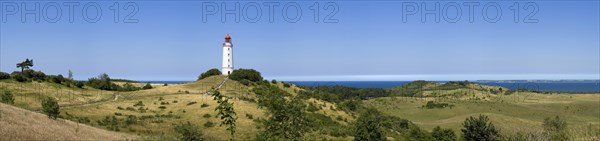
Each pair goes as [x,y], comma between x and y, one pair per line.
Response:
[519,112]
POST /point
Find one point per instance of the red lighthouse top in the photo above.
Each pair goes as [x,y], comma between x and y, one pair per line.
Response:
[227,38]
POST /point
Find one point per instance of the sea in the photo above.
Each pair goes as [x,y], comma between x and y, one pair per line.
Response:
[569,86]
[580,87]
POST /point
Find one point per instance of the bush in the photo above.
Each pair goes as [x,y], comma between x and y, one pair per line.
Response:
[139,103]
[431,105]
[4,75]
[7,97]
[206,115]
[287,85]
[479,129]
[162,107]
[147,86]
[274,81]
[204,105]
[57,79]
[188,132]
[249,116]
[102,82]
[50,107]
[245,82]
[368,126]
[209,73]
[555,128]
[248,74]
[443,134]
[18,77]
[209,124]
[79,84]
[191,103]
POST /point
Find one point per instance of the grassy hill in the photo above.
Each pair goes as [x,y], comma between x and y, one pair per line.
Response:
[21,124]
[512,112]
[153,113]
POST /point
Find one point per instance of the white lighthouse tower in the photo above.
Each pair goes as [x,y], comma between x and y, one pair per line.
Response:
[227,56]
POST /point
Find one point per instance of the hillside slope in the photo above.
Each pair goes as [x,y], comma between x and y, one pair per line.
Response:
[21,124]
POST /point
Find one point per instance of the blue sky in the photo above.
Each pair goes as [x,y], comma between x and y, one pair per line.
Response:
[369,41]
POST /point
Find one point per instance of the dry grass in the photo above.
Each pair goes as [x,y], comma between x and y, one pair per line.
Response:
[21,124]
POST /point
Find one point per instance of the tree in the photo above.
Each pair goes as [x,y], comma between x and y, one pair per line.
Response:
[225,112]
[147,86]
[7,97]
[4,75]
[50,107]
[556,128]
[479,129]
[25,64]
[443,134]
[248,74]
[188,131]
[102,82]
[286,117]
[368,126]
[210,72]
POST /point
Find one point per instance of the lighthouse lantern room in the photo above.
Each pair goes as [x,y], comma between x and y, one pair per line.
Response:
[227,67]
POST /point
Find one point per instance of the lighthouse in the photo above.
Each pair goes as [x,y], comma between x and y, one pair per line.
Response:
[227,67]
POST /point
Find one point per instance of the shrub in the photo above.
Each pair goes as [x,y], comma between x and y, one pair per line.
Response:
[147,86]
[555,128]
[188,132]
[245,82]
[18,77]
[368,126]
[209,124]
[162,107]
[102,82]
[139,103]
[50,107]
[57,79]
[204,105]
[443,134]
[431,105]
[274,81]
[249,116]
[191,103]
[479,129]
[131,119]
[206,115]
[166,84]
[4,75]
[209,73]
[79,84]
[7,97]
[287,85]
[248,74]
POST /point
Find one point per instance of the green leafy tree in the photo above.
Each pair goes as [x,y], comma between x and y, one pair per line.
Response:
[286,117]
[7,97]
[188,131]
[479,129]
[248,74]
[50,107]
[225,111]
[556,128]
[25,64]
[443,134]
[368,126]
[209,73]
